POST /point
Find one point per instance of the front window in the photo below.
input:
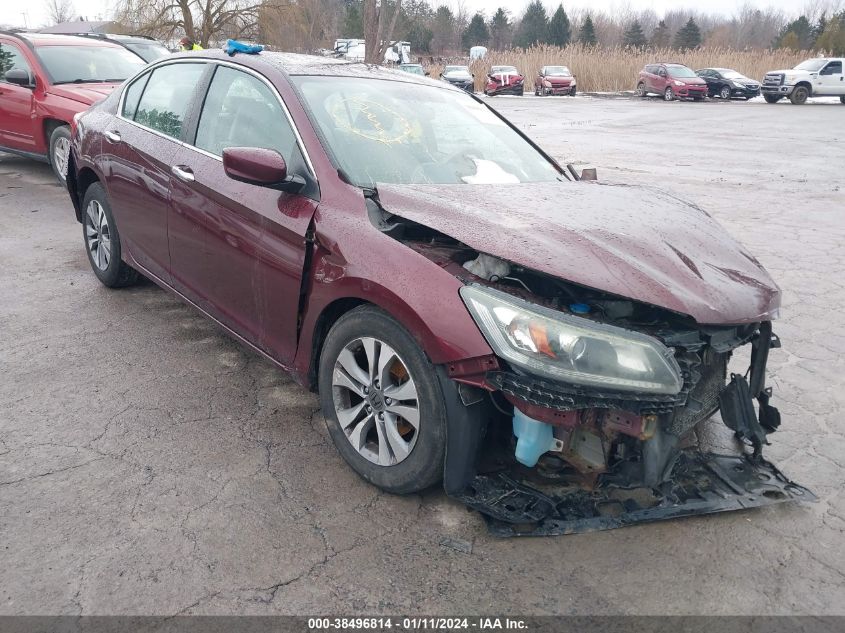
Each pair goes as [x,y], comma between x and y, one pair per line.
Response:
[680,72]
[88,64]
[445,138]
[811,65]
[557,71]
[11,59]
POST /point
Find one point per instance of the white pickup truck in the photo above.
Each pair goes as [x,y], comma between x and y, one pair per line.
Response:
[819,77]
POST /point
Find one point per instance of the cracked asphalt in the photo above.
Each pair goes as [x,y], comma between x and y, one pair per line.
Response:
[150,465]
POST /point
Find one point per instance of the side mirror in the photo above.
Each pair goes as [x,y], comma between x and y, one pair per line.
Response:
[259,166]
[19,77]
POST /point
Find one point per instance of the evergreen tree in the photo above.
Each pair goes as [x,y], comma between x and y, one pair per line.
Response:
[688,37]
[353,24]
[634,36]
[832,40]
[443,30]
[476,34]
[803,32]
[560,31]
[534,28]
[500,30]
[587,34]
[661,37]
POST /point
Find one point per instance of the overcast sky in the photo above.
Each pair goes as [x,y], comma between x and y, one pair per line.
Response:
[32,13]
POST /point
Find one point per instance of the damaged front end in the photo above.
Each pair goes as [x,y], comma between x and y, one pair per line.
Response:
[594,400]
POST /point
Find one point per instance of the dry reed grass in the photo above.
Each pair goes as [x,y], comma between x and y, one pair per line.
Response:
[615,69]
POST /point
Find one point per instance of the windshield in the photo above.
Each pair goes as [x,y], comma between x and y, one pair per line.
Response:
[680,71]
[557,71]
[732,74]
[811,65]
[445,137]
[148,52]
[413,68]
[81,64]
[456,70]
[505,69]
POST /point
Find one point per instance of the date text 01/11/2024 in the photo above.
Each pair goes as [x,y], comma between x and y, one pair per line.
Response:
[416,624]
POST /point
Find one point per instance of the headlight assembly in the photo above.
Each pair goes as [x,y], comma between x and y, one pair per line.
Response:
[571,349]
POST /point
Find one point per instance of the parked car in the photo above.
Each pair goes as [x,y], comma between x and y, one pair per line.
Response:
[45,80]
[554,80]
[504,80]
[728,84]
[460,77]
[671,81]
[147,48]
[819,77]
[414,69]
[364,246]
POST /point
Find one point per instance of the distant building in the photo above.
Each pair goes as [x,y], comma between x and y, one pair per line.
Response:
[82,26]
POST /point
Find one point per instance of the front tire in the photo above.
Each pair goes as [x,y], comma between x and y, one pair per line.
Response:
[725,93]
[669,94]
[60,152]
[842,100]
[382,401]
[641,91]
[102,241]
[772,98]
[800,95]
[573,91]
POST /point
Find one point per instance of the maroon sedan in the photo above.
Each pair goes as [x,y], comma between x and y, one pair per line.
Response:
[467,311]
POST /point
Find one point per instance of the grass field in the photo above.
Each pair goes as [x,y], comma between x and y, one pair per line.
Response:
[614,69]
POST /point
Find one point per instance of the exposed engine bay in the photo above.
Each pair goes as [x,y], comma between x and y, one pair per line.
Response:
[564,457]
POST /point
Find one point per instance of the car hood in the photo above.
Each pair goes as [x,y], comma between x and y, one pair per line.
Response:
[558,80]
[457,77]
[631,241]
[691,81]
[84,93]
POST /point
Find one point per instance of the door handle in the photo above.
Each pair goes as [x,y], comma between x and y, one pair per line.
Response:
[183,173]
[112,137]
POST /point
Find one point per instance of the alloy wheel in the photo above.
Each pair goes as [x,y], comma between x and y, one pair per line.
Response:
[61,153]
[98,235]
[376,401]
[725,93]
[669,95]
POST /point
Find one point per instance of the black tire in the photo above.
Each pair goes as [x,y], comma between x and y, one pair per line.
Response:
[60,137]
[423,465]
[842,100]
[725,93]
[521,92]
[800,95]
[641,91]
[772,98]
[536,91]
[669,94]
[572,91]
[117,273]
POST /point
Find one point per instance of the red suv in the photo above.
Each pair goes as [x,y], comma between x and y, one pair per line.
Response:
[671,81]
[465,311]
[45,80]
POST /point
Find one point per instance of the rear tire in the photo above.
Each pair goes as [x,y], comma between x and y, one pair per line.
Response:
[60,152]
[772,98]
[800,95]
[102,241]
[366,410]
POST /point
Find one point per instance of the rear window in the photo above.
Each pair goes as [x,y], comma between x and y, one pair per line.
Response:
[164,102]
[88,64]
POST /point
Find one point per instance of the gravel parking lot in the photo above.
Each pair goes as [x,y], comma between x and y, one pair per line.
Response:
[151,465]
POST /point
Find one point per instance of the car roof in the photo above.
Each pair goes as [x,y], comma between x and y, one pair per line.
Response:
[54,39]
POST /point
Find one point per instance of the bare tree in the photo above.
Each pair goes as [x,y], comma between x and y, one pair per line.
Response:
[204,21]
[59,11]
[379,27]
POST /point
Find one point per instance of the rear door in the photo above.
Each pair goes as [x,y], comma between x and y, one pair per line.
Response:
[17,123]
[238,250]
[139,147]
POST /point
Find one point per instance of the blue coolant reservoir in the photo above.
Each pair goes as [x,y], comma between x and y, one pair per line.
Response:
[535,438]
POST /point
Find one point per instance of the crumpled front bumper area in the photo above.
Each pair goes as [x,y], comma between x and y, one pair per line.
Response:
[701,483]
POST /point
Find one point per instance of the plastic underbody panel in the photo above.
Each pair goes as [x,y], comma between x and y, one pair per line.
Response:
[701,483]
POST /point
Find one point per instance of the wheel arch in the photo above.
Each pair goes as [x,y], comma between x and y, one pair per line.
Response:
[78,185]
[48,126]
[807,85]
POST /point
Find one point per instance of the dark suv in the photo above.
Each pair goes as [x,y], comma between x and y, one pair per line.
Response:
[671,81]
[45,80]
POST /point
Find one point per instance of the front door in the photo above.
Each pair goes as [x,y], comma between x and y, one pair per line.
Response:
[17,123]
[238,250]
[831,81]
[139,148]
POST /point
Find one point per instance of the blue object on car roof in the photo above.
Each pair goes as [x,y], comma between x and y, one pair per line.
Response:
[579,308]
[234,46]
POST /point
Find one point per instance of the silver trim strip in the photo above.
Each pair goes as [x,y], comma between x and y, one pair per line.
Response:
[299,142]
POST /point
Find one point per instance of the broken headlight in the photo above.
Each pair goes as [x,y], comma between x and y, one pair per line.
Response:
[570,348]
